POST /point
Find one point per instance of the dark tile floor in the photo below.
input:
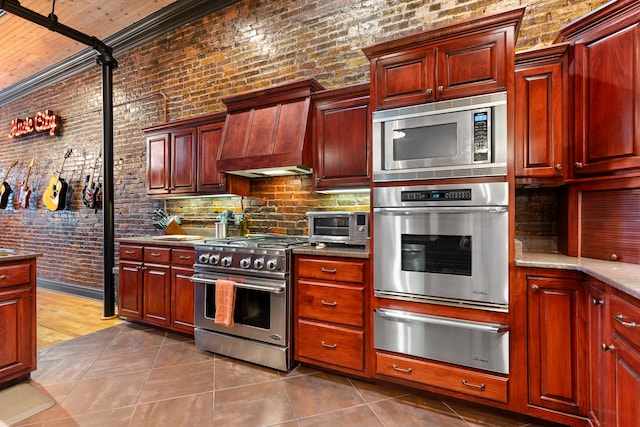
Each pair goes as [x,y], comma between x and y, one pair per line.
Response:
[128,375]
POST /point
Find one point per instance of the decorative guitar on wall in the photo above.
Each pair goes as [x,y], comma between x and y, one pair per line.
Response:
[25,191]
[55,196]
[91,189]
[5,189]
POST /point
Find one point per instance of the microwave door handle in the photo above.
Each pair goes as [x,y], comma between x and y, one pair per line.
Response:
[271,289]
[421,318]
[442,210]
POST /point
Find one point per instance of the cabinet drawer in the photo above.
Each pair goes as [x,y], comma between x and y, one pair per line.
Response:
[343,271]
[337,346]
[162,255]
[331,303]
[625,319]
[131,252]
[183,257]
[12,275]
[462,380]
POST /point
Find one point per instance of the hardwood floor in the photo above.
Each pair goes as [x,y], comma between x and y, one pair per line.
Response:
[61,317]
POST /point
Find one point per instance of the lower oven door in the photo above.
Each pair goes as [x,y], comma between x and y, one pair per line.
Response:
[261,310]
[462,342]
[448,253]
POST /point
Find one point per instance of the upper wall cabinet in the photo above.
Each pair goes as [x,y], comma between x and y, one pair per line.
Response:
[463,59]
[605,69]
[541,108]
[341,143]
[181,159]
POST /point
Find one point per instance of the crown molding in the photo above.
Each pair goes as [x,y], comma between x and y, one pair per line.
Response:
[169,18]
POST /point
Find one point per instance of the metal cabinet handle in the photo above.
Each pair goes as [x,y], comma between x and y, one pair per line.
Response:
[330,304]
[597,302]
[559,167]
[614,257]
[578,165]
[606,347]
[480,386]
[619,318]
[156,254]
[535,288]
[327,270]
[406,371]
[185,257]
[331,346]
[440,90]
[429,92]
[4,276]
[129,252]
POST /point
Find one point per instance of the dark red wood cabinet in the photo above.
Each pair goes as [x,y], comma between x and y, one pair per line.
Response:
[541,95]
[341,137]
[605,69]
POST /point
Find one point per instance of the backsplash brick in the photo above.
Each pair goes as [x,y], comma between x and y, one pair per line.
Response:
[250,45]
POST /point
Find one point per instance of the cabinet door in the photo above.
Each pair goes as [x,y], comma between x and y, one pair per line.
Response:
[472,66]
[183,161]
[625,390]
[405,79]
[182,299]
[607,102]
[157,297]
[16,330]
[209,179]
[556,344]
[342,143]
[540,125]
[130,289]
[158,161]
[597,321]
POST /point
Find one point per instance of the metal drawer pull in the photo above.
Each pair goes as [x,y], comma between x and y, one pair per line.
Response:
[406,371]
[331,304]
[155,254]
[480,386]
[129,252]
[331,346]
[4,276]
[618,318]
[326,270]
[185,257]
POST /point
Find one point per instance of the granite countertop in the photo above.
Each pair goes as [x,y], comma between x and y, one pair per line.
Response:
[620,275]
[178,240]
[7,255]
[343,251]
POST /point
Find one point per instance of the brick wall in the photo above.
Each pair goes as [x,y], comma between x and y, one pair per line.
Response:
[253,44]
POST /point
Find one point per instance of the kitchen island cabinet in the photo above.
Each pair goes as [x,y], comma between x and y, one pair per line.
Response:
[155,286]
[18,354]
[329,313]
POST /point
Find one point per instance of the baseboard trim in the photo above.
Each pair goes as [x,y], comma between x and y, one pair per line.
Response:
[68,288]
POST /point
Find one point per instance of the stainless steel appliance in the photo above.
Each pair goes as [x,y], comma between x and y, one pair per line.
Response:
[350,228]
[455,138]
[443,243]
[260,266]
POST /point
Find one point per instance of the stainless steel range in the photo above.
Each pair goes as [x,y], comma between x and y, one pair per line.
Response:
[260,267]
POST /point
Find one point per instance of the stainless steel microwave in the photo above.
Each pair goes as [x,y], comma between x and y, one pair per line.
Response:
[463,137]
[350,228]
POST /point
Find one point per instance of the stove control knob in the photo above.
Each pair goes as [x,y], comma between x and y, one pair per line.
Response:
[226,261]
[272,264]
[203,259]
[245,262]
[258,263]
[214,259]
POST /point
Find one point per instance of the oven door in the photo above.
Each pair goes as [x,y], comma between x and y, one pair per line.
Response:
[260,313]
[443,253]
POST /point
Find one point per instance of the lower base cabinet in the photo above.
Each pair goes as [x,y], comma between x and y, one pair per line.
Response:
[155,286]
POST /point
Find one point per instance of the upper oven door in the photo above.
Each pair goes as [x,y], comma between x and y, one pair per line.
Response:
[452,252]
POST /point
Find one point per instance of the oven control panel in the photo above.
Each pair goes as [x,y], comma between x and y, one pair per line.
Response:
[436,195]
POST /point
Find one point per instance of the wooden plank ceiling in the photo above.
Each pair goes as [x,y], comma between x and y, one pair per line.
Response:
[27,49]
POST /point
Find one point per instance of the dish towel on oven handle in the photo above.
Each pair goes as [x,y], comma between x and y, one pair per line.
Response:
[225,301]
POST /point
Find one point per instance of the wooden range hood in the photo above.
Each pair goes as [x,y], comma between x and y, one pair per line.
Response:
[267,132]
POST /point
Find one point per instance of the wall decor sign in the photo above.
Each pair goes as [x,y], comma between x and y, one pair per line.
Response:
[42,122]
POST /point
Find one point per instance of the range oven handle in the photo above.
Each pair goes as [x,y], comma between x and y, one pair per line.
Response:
[442,321]
[442,210]
[272,289]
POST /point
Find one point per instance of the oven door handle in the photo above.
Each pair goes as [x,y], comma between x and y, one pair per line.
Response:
[442,210]
[442,321]
[272,289]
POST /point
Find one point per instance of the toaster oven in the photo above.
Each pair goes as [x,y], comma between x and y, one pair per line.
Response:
[350,228]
